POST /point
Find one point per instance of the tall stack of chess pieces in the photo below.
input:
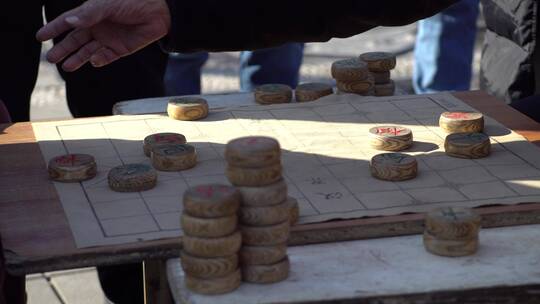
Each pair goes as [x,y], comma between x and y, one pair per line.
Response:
[369,74]
[254,167]
[211,239]
[234,234]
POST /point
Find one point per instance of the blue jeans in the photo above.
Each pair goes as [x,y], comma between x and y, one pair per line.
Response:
[444,49]
[273,65]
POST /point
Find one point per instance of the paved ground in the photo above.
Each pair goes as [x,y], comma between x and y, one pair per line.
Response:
[219,75]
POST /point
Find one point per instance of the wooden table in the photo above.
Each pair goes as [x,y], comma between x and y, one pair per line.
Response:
[37,236]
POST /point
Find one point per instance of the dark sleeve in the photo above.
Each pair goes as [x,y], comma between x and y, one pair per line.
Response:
[229,25]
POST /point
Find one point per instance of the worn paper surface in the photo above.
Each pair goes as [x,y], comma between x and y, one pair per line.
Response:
[325,157]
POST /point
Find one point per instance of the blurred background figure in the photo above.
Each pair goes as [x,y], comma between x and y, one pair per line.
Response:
[273,65]
[510,67]
[444,49]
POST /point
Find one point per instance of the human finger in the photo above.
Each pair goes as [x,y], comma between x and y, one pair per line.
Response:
[88,14]
[56,27]
[103,57]
[73,41]
[81,57]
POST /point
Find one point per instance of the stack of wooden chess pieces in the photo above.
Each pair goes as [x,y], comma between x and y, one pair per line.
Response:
[211,239]
[234,234]
[167,151]
[369,74]
[254,166]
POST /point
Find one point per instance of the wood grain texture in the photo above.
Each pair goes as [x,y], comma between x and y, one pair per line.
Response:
[253,152]
[215,286]
[132,178]
[390,138]
[312,91]
[450,248]
[467,145]
[173,157]
[381,77]
[37,237]
[211,200]
[379,61]
[208,268]
[265,274]
[453,223]
[385,89]
[273,93]
[70,168]
[294,210]
[461,122]
[393,166]
[208,227]
[254,177]
[265,235]
[355,86]
[161,139]
[187,108]
[212,247]
[351,69]
[268,195]
[264,216]
[262,255]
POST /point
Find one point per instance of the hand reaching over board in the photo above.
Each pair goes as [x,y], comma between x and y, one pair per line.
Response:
[102,31]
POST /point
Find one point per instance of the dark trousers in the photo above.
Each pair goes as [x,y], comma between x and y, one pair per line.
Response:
[89,91]
[279,64]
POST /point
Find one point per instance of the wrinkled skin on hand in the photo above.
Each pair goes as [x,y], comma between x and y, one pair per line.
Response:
[102,31]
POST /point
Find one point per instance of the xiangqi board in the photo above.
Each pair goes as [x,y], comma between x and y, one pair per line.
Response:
[325,158]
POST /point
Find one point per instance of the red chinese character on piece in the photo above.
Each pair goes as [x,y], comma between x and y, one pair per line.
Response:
[390,130]
[68,159]
[457,115]
[206,191]
[167,138]
[251,140]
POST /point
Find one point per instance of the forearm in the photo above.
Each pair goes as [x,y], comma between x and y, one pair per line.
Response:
[217,25]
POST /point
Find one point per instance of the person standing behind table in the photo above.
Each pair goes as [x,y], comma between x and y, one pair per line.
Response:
[510,65]
[89,91]
[272,65]
[207,25]
[444,49]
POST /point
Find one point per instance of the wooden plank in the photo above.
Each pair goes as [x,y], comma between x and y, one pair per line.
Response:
[35,231]
[394,270]
[37,236]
